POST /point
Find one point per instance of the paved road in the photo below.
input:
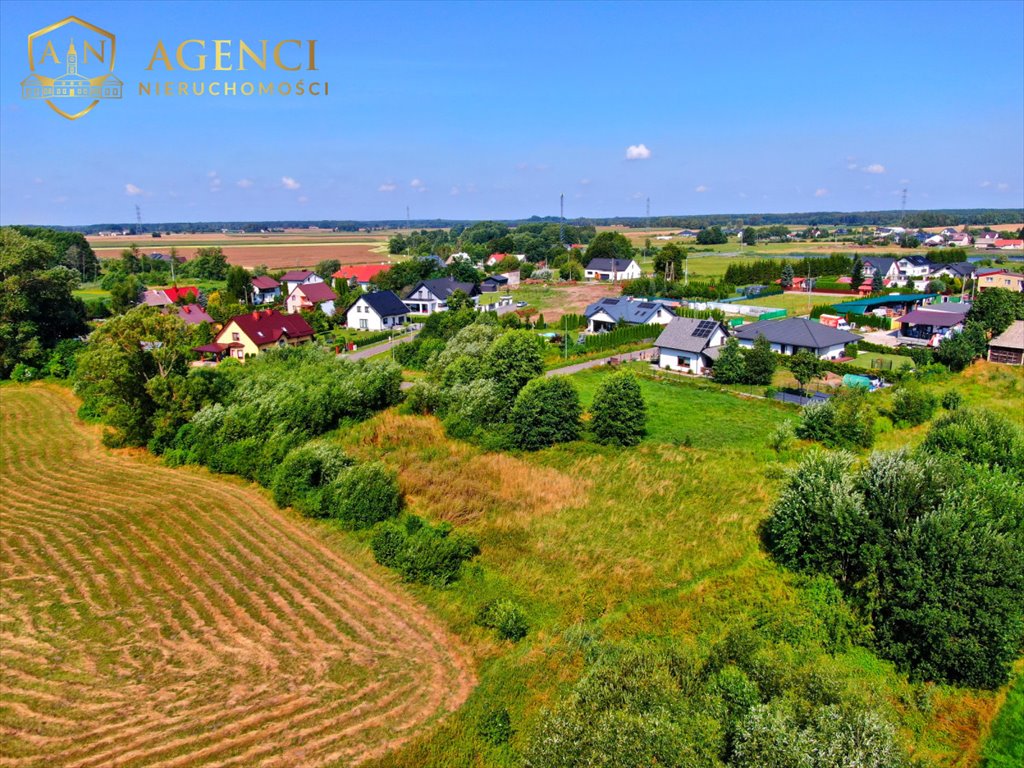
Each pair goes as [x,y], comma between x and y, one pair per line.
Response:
[362,354]
[643,354]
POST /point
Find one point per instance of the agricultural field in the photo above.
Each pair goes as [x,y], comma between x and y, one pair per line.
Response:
[295,248]
[156,616]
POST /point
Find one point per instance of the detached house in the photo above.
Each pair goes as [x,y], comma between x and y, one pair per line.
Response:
[690,345]
[162,297]
[265,290]
[361,275]
[430,296]
[605,314]
[193,314]
[1008,347]
[611,269]
[792,334]
[377,311]
[256,332]
[299,277]
[1011,281]
[308,296]
[886,267]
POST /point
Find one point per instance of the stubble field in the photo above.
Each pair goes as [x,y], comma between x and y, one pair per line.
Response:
[153,616]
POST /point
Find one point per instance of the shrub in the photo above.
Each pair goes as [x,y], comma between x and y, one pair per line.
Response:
[729,367]
[782,436]
[978,437]
[422,553]
[759,363]
[495,726]
[843,421]
[303,475]
[366,494]
[952,400]
[546,412]
[504,616]
[912,405]
[619,413]
[22,372]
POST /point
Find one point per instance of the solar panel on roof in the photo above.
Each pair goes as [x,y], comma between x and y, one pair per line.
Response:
[704,328]
[646,305]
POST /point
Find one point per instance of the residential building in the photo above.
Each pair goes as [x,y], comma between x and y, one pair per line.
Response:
[986,239]
[193,314]
[963,270]
[377,311]
[1011,281]
[887,268]
[1008,245]
[255,332]
[611,269]
[430,296]
[162,297]
[606,314]
[792,334]
[299,277]
[309,296]
[690,345]
[361,275]
[493,283]
[265,290]
[1008,347]
[929,326]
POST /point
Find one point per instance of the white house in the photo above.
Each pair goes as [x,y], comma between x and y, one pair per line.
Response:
[611,269]
[308,296]
[913,269]
[377,311]
[265,290]
[606,314]
[299,277]
[430,296]
[792,334]
[690,345]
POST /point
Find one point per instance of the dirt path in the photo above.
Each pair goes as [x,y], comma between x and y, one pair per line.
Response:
[161,617]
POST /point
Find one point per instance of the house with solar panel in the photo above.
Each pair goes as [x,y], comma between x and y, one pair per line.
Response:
[607,314]
[690,345]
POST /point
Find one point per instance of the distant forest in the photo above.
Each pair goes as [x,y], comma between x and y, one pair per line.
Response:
[913,219]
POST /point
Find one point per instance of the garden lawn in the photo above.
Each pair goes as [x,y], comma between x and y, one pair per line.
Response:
[889,362]
[795,304]
[1005,745]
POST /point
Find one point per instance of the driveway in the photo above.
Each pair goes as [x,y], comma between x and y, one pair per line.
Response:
[643,354]
[379,349]
[885,338]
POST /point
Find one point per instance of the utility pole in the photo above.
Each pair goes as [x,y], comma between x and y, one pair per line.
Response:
[561,218]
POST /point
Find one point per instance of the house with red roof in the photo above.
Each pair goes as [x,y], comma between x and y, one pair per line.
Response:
[1008,245]
[163,297]
[306,297]
[265,290]
[193,314]
[255,332]
[360,275]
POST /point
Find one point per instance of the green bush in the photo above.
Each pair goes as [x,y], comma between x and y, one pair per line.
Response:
[619,414]
[495,726]
[912,405]
[365,494]
[22,372]
[978,437]
[843,421]
[423,553]
[952,400]
[506,617]
[304,475]
[781,438]
[547,411]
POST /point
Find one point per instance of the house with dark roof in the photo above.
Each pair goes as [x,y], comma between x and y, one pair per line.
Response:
[377,311]
[929,326]
[430,296]
[306,297]
[606,314]
[690,345]
[1008,347]
[494,283]
[298,277]
[913,269]
[792,334]
[887,268]
[265,290]
[963,270]
[611,269]
[255,332]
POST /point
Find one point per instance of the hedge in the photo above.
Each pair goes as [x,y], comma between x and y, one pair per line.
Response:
[621,335]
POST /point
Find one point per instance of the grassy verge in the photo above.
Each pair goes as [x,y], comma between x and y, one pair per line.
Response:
[1005,745]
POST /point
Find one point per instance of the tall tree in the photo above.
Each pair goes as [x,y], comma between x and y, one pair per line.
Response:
[759,363]
[513,360]
[729,368]
[856,273]
[877,282]
[750,236]
[804,366]
[787,276]
[546,411]
[239,285]
[609,245]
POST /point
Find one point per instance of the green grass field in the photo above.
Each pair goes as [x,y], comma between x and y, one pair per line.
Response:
[870,360]
[795,304]
[1005,745]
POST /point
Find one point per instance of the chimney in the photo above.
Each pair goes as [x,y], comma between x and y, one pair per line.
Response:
[256,314]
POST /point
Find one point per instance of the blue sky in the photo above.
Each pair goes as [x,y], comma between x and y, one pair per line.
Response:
[491,110]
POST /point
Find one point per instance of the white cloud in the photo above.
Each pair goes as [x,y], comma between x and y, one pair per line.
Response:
[212,174]
[303,199]
[637,196]
[387,186]
[584,182]
[454,190]
[522,166]
[1002,186]
[131,189]
[700,188]
[874,168]
[821,192]
[985,184]
[851,166]
[904,181]
[244,183]
[416,183]
[637,152]
[289,183]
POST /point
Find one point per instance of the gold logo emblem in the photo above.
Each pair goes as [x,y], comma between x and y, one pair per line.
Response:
[72,67]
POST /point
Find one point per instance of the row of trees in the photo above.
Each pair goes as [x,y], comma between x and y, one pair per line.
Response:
[764,271]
